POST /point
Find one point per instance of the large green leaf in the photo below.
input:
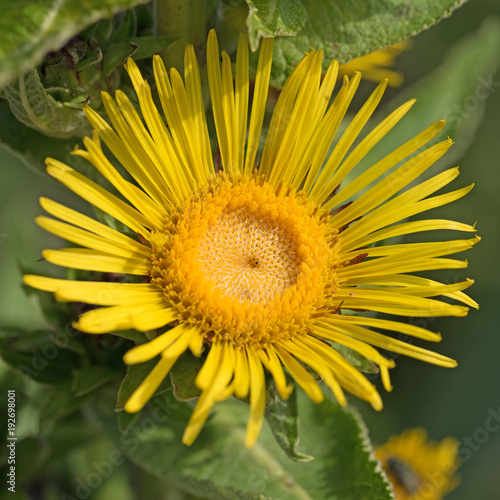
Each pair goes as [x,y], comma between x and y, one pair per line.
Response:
[345,29]
[30,29]
[218,466]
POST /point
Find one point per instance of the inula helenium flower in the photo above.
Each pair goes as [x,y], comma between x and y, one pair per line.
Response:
[253,265]
[417,468]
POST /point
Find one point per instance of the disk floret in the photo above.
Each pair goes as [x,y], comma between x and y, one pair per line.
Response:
[246,262]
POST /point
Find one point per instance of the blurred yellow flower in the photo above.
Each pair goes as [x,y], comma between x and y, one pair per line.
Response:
[252,266]
[376,66]
[417,468]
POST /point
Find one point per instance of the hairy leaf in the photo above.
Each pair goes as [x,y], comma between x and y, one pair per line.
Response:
[32,106]
[345,29]
[30,29]
[283,419]
[219,467]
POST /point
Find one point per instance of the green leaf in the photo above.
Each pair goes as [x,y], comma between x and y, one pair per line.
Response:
[343,465]
[183,375]
[116,54]
[148,46]
[90,378]
[283,420]
[130,335]
[274,18]
[30,29]
[69,339]
[60,403]
[36,356]
[35,108]
[125,420]
[345,29]
[135,375]
[456,91]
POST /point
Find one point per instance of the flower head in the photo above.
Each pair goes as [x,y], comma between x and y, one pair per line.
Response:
[417,468]
[253,265]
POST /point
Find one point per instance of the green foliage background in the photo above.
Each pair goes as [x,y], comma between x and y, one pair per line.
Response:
[459,402]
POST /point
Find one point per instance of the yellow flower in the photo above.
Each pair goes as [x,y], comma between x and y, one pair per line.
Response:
[419,469]
[376,66]
[254,264]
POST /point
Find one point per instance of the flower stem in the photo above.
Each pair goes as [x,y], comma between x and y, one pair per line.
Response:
[182,20]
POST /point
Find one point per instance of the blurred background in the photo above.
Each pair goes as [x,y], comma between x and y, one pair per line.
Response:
[463,402]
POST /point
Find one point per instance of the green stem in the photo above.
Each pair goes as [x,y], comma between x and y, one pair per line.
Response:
[182,20]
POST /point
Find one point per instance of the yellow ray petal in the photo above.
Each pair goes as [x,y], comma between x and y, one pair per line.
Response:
[384,165]
[89,240]
[376,135]
[149,385]
[349,377]
[384,324]
[391,184]
[406,228]
[98,196]
[321,141]
[168,162]
[397,303]
[389,343]
[178,336]
[80,220]
[300,374]
[216,93]
[405,205]
[130,153]
[241,381]
[417,250]
[415,284]
[271,362]
[300,348]
[299,128]
[257,399]
[94,292]
[259,102]
[195,98]
[283,111]
[209,396]
[113,319]
[92,260]
[157,316]
[318,192]
[386,265]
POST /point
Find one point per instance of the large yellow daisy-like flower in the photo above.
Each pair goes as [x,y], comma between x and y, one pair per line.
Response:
[417,468]
[254,264]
